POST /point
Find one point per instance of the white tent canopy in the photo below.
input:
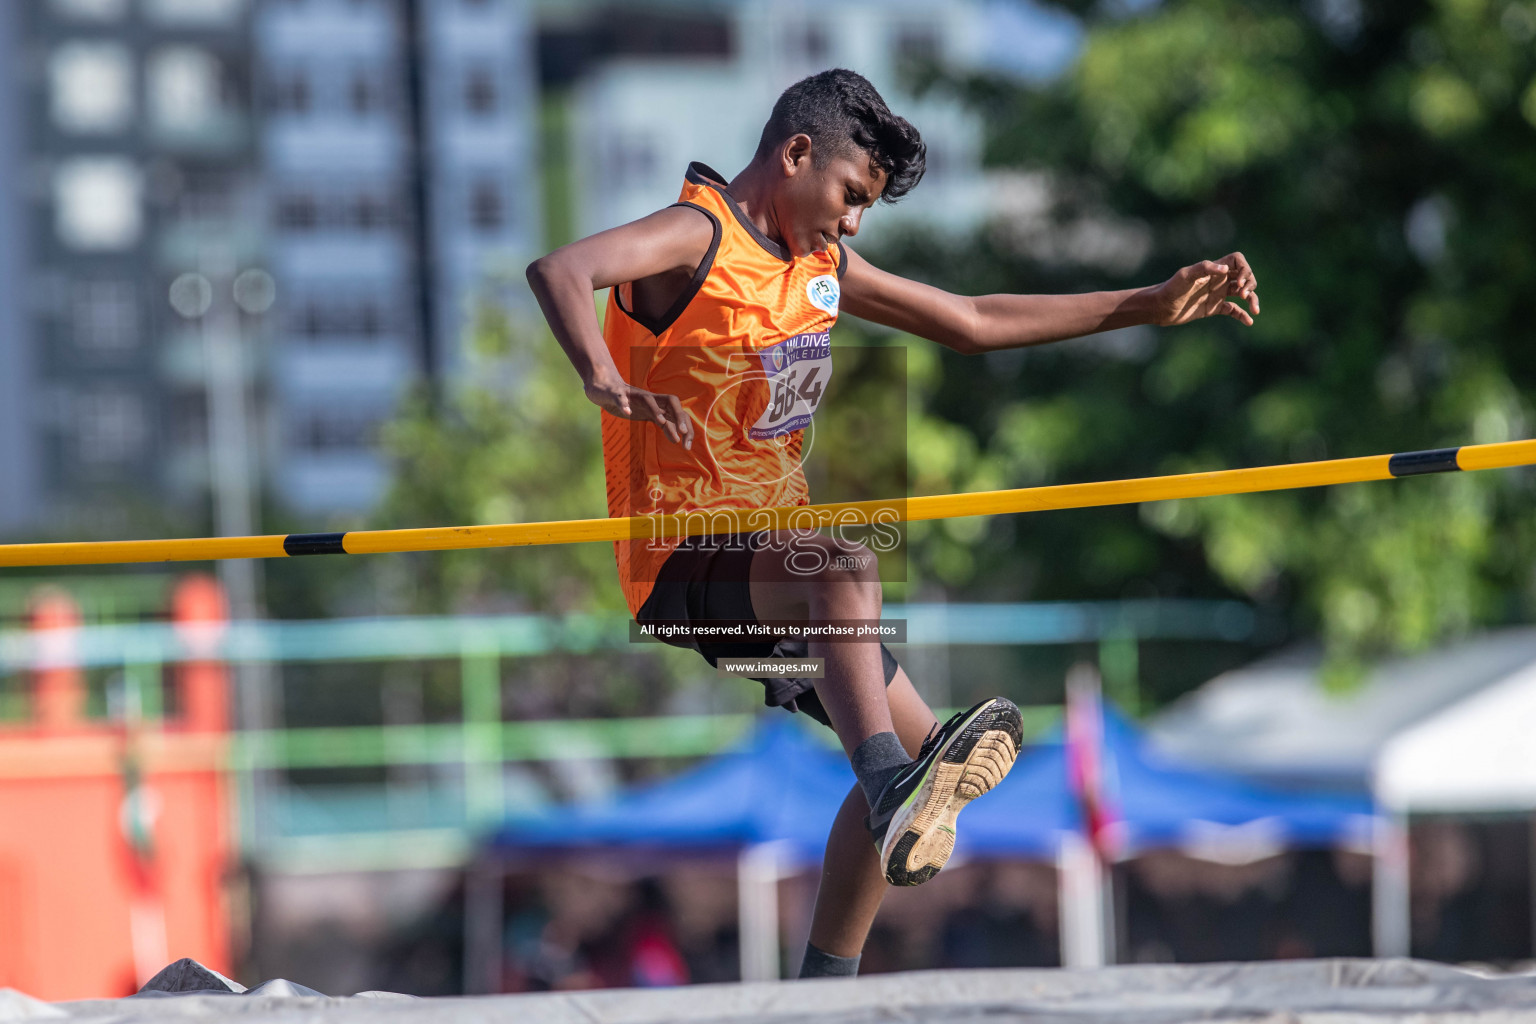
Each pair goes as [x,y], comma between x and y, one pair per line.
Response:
[1451,730]
[1476,755]
[1273,719]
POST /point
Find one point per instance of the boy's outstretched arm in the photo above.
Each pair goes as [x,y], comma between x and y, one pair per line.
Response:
[674,239]
[986,323]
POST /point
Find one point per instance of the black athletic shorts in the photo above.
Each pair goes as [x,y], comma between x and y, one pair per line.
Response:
[707,578]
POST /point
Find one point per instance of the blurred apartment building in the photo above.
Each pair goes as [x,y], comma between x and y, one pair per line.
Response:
[639,118]
[126,138]
[169,167]
[340,182]
[398,140]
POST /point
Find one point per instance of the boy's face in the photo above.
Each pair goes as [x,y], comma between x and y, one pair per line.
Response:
[819,205]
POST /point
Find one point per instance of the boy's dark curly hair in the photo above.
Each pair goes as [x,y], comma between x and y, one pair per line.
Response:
[838,108]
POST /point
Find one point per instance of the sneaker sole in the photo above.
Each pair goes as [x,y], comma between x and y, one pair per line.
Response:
[922,835]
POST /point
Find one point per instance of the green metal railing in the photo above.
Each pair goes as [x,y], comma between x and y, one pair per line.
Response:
[100,598]
[463,764]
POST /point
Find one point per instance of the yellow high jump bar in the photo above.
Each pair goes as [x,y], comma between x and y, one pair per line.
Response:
[933,506]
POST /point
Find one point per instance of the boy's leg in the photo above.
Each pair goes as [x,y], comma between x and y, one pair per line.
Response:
[853,689]
[914,805]
[852,881]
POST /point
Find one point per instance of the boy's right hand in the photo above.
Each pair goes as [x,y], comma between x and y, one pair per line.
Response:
[621,398]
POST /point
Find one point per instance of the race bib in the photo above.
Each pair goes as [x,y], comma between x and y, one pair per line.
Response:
[798,370]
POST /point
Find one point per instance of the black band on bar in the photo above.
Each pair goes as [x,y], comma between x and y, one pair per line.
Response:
[1436,460]
[296,544]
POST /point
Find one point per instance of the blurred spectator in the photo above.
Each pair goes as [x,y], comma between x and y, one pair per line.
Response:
[654,959]
[1442,863]
[883,951]
[1192,911]
[703,899]
[1471,888]
[1327,910]
[997,926]
[1307,903]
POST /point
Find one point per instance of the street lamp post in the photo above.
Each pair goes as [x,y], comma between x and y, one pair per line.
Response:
[230,461]
[214,296]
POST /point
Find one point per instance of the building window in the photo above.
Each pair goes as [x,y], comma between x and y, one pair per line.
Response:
[351,316]
[631,160]
[480,92]
[371,212]
[90,87]
[370,320]
[90,10]
[207,194]
[96,203]
[808,44]
[299,211]
[203,13]
[184,86]
[288,93]
[917,44]
[104,316]
[311,322]
[365,93]
[111,427]
[338,429]
[487,211]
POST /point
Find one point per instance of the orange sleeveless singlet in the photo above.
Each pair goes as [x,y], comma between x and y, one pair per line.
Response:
[747,350]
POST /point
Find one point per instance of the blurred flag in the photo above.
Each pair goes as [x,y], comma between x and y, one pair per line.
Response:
[1090,771]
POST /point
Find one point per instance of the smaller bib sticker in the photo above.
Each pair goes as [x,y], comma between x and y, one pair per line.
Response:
[797,369]
[824,292]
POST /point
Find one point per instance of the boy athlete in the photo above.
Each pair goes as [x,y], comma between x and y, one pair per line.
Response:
[712,357]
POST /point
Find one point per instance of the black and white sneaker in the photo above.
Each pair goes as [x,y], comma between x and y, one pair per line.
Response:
[913,821]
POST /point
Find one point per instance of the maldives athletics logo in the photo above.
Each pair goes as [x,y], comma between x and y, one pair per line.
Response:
[824,292]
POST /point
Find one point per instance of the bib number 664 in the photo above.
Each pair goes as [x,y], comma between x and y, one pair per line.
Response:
[789,399]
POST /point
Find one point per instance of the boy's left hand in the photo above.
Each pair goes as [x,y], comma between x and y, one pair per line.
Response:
[1207,289]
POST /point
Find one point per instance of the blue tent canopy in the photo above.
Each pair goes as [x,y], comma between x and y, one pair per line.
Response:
[1161,805]
[781,784]
[1027,814]
[777,784]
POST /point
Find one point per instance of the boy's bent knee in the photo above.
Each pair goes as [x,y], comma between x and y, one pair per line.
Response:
[841,580]
[826,560]
[829,578]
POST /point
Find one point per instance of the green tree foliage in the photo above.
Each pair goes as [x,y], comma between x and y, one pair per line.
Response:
[516,441]
[1376,161]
